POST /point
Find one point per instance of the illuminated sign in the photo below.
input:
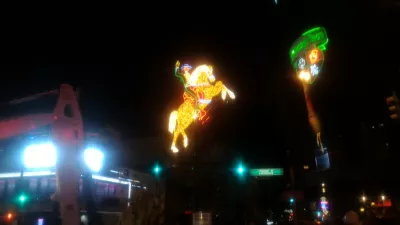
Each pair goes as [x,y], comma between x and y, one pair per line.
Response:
[201,87]
[309,64]
[266,172]
[316,36]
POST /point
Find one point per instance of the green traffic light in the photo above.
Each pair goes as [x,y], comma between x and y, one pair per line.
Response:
[156,169]
[240,169]
[22,198]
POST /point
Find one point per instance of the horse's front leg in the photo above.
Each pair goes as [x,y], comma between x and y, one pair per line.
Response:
[223,94]
[220,88]
[230,93]
[225,91]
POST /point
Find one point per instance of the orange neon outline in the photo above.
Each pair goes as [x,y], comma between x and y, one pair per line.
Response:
[202,112]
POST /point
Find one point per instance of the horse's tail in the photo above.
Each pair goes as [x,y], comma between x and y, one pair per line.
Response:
[172,121]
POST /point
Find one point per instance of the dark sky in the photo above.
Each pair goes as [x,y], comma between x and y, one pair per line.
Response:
[123,57]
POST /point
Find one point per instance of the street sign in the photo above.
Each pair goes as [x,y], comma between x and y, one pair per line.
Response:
[266,172]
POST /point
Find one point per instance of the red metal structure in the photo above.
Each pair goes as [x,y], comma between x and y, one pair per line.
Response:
[67,135]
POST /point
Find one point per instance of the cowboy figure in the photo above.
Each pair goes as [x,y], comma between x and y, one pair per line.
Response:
[191,92]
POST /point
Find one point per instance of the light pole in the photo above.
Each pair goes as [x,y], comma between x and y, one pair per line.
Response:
[307,58]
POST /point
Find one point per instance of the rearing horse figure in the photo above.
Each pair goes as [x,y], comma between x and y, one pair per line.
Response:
[203,83]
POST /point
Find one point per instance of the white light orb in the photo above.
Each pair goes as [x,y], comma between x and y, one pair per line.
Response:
[93,159]
[40,156]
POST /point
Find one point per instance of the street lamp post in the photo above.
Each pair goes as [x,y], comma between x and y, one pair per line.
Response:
[307,58]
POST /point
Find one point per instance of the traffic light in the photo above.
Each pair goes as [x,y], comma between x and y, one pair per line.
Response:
[240,169]
[22,198]
[156,169]
[394,109]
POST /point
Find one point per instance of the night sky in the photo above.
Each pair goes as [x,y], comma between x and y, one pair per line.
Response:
[122,58]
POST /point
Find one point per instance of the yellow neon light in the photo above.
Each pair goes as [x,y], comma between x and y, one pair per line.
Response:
[202,82]
[313,56]
[305,76]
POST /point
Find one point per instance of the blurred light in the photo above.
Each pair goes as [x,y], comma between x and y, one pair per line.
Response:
[302,63]
[383,197]
[305,76]
[40,221]
[306,167]
[84,219]
[314,69]
[323,190]
[313,56]
[362,209]
[108,179]
[38,173]
[47,173]
[323,184]
[156,169]
[240,169]
[372,203]
[40,156]
[9,216]
[93,159]
[10,175]
[291,200]
[22,198]
[363,198]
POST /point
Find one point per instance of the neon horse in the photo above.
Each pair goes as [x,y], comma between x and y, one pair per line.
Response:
[204,84]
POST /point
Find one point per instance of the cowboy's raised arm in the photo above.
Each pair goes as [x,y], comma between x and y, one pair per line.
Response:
[177,64]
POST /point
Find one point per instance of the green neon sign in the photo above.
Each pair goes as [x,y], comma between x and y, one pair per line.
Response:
[266,172]
[314,37]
